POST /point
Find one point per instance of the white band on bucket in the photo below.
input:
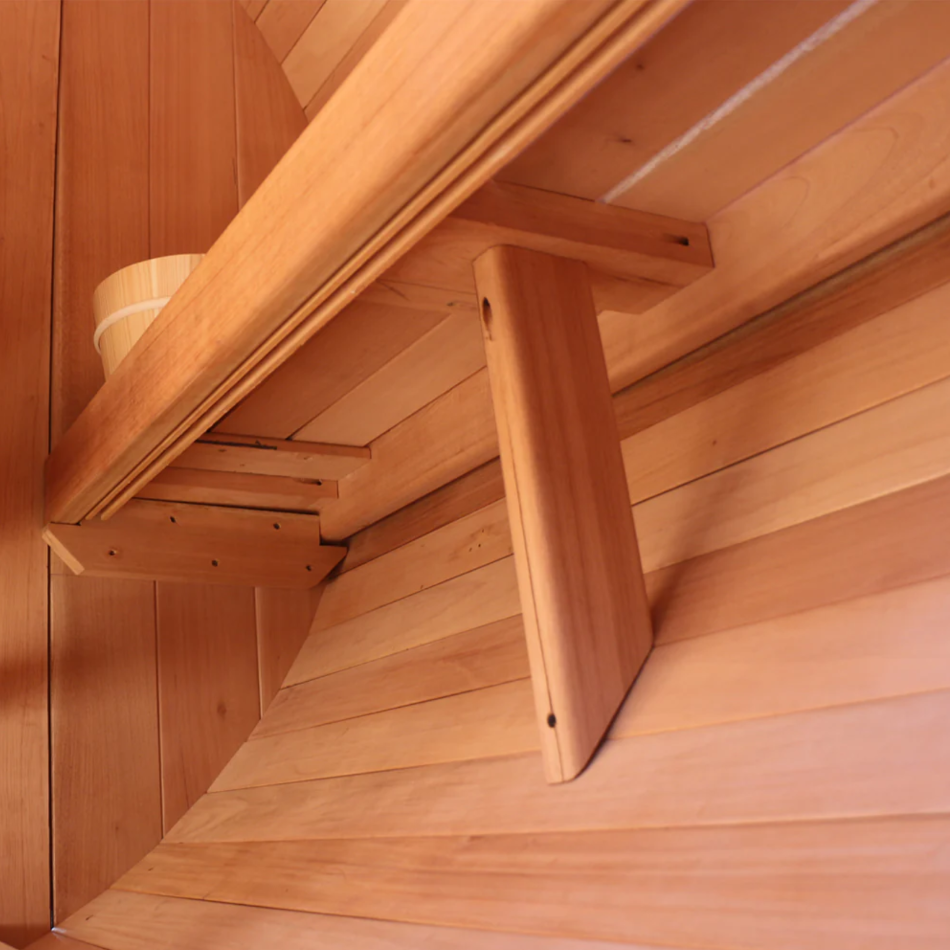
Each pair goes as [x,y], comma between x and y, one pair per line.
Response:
[156,303]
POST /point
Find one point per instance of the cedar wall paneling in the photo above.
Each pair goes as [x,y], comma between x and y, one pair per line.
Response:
[29,37]
[775,779]
[165,108]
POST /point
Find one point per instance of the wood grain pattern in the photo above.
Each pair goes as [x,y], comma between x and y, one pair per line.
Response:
[100,152]
[192,135]
[29,41]
[707,54]
[198,543]
[234,453]
[735,773]
[439,360]
[364,338]
[674,884]
[209,698]
[283,622]
[475,659]
[584,605]
[454,549]
[54,940]
[458,498]
[496,720]
[268,118]
[239,489]
[282,22]
[306,281]
[127,921]
[107,808]
[474,599]
[866,61]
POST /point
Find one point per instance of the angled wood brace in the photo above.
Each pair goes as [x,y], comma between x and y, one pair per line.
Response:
[586,615]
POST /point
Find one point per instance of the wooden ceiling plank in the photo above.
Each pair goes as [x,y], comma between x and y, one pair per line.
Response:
[221,452]
[197,543]
[708,53]
[282,22]
[240,490]
[278,277]
[878,49]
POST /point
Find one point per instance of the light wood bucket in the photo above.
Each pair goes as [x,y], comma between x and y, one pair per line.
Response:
[126,302]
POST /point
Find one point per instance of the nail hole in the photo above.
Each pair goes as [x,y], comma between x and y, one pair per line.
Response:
[214,563]
[277,526]
[113,553]
[173,519]
[309,567]
[552,720]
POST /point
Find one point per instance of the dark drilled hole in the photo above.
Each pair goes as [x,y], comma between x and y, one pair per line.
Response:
[552,720]
[113,553]
[214,563]
[309,567]
[277,526]
[173,519]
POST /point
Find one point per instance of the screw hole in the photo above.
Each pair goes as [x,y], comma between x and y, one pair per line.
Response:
[214,563]
[113,553]
[173,519]
[309,567]
[277,526]
[552,720]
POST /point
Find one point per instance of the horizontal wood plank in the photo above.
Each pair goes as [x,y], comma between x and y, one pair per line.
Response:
[490,721]
[474,659]
[196,543]
[124,920]
[239,489]
[864,880]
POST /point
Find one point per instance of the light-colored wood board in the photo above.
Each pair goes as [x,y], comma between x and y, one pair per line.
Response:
[434,364]
[896,445]
[197,543]
[54,940]
[868,59]
[106,802]
[888,644]
[365,497]
[478,489]
[336,26]
[458,547]
[879,545]
[548,57]
[492,721]
[882,177]
[254,8]
[193,191]
[880,282]
[631,245]
[209,695]
[282,23]
[235,453]
[283,622]
[460,604]
[268,117]
[381,21]
[100,152]
[864,760]
[862,880]
[239,489]
[474,659]
[894,354]
[363,339]
[584,604]
[688,69]
[29,63]
[123,920]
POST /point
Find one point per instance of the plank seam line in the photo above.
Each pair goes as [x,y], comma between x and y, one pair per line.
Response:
[747,92]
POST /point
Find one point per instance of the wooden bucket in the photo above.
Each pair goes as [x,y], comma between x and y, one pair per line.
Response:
[126,302]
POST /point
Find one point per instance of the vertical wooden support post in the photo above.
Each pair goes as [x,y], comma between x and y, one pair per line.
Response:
[582,592]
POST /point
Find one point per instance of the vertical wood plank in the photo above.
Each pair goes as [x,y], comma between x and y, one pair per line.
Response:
[283,622]
[103,691]
[106,787]
[192,142]
[268,116]
[586,615]
[29,58]
[208,686]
